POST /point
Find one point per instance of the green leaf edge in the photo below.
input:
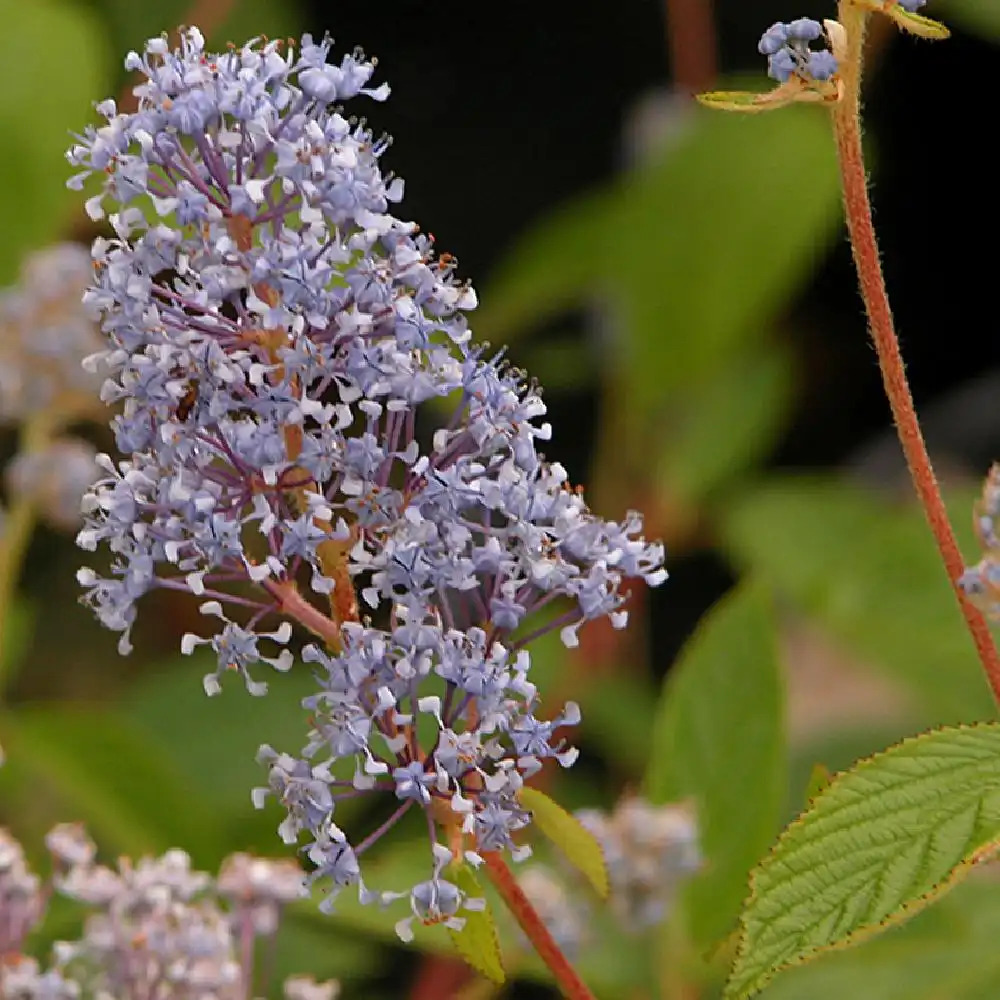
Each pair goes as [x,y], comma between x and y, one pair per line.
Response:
[917,24]
[541,806]
[983,852]
[744,101]
[489,963]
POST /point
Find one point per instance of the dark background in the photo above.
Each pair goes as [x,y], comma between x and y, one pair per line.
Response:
[508,109]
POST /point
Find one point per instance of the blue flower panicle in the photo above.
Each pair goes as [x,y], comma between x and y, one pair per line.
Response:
[275,340]
[789,52]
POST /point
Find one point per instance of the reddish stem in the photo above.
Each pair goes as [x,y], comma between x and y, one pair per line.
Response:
[847,126]
[691,43]
[531,923]
[292,603]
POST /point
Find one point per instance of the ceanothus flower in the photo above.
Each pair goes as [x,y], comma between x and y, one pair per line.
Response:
[787,47]
[277,344]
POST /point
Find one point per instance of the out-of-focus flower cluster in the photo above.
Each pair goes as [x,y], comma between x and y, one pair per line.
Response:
[155,928]
[982,581]
[277,340]
[44,336]
[649,850]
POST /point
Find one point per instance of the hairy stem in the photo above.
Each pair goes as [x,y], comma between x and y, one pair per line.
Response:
[847,126]
[534,928]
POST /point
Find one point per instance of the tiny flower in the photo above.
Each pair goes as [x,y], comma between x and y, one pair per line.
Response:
[22,899]
[773,40]
[45,335]
[982,582]
[804,29]
[54,478]
[437,901]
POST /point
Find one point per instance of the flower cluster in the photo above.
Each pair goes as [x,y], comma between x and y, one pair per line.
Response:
[153,928]
[982,581]
[787,47]
[44,336]
[279,343]
[649,851]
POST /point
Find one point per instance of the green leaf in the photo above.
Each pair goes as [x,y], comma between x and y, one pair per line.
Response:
[869,572]
[947,951]
[556,266]
[18,627]
[917,24]
[477,941]
[576,843]
[720,740]
[883,841]
[53,71]
[744,101]
[619,708]
[979,16]
[95,766]
[214,741]
[694,221]
[724,423]
[819,778]
[657,245]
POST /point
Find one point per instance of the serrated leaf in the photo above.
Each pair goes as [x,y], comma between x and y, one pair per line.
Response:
[477,942]
[574,841]
[819,778]
[720,740]
[947,951]
[883,841]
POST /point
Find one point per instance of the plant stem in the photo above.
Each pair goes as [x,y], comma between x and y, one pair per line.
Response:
[847,127]
[691,39]
[531,923]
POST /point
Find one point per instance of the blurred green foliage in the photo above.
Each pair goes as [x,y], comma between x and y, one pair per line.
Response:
[690,259]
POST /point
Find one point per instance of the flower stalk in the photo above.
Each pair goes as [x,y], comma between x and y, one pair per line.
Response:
[572,986]
[847,129]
